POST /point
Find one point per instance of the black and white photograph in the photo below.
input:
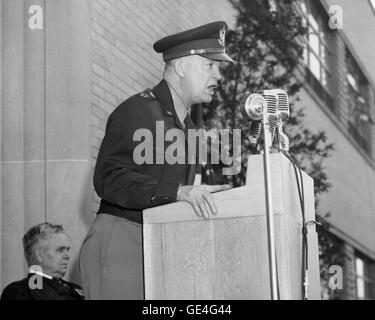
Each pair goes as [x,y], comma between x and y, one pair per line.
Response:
[205,152]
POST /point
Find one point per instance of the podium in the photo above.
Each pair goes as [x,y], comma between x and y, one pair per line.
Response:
[226,257]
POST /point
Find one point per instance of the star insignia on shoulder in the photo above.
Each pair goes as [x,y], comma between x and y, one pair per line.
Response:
[147,94]
[144,95]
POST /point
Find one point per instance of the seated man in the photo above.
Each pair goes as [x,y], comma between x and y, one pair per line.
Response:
[46,248]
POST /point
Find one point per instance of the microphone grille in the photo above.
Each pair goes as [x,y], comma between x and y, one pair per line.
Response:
[271,100]
[272,129]
[255,130]
[282,104]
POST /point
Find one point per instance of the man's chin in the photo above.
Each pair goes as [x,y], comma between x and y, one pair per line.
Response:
[63,272]
[207,99]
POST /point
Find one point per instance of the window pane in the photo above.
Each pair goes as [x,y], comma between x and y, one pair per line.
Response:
[359,267]
[314,66]
[314,42]
[360,288]
[313,22]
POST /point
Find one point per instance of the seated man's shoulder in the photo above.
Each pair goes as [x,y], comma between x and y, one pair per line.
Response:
[77,289]
[17,290]
[72,284]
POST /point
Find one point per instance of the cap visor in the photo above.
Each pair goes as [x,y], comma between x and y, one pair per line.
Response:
[218,56]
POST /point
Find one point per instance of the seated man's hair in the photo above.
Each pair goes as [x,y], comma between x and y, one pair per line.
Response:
[36,234]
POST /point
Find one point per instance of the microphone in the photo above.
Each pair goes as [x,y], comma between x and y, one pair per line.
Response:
[275,104]
[282,104]
[251,108]
[283,113]
[271,99]
[255,130]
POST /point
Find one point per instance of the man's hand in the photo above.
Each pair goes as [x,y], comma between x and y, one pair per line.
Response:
[200,198]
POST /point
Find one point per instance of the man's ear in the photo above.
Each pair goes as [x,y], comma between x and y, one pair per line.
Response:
[179,67]
[39,254]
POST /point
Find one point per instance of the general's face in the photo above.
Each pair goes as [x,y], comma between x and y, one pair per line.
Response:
[55,255]
[201,78]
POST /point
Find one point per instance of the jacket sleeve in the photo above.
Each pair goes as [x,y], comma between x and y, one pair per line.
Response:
[117,178]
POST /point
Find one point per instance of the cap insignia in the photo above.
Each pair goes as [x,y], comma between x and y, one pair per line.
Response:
[222,37]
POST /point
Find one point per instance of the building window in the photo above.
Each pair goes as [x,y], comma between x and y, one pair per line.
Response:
[359,119]
[317,52]
[364,277]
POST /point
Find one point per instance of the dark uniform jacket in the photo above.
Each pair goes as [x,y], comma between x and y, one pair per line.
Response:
[127,187]
[52,289]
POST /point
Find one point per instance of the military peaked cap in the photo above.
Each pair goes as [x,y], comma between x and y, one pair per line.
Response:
[207,41]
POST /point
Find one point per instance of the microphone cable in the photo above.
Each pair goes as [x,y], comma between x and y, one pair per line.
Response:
[301,195]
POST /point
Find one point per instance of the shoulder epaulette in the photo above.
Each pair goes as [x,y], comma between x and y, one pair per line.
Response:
[148,94]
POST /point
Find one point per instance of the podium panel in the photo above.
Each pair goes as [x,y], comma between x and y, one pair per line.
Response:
[226,257]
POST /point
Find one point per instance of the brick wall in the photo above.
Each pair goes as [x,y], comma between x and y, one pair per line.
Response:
[122,59]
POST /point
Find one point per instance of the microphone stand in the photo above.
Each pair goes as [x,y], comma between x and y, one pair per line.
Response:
[269,207]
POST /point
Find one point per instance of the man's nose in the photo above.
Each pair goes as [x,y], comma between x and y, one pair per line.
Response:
[66,255]
[217,72]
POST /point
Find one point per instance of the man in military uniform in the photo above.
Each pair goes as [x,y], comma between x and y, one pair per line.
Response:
[47,251]
[111,256]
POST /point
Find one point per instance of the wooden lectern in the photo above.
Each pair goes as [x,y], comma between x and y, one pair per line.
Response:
[226,257]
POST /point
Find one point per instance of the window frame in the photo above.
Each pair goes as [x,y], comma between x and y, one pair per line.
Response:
[366,278]
[324,62]
[359,130]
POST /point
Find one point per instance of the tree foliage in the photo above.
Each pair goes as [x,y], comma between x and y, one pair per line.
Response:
[266,44]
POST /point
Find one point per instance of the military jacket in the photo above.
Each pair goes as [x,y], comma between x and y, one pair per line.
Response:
[125,185]
[51,289]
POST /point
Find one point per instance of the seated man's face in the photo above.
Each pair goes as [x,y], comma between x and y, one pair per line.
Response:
[55,255]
